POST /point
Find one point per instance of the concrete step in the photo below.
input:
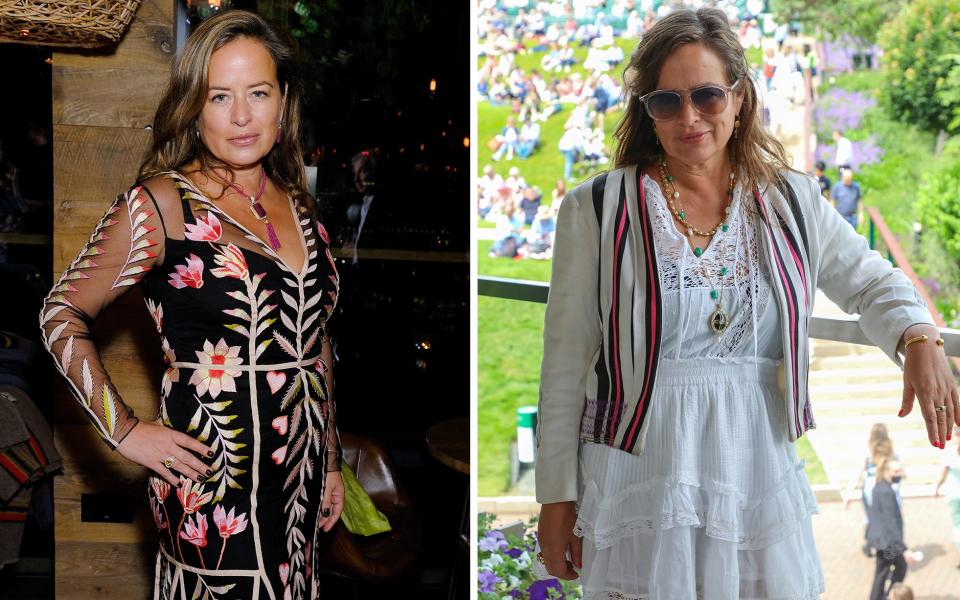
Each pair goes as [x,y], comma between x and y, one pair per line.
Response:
[888,372]
[870,360]
[874,389]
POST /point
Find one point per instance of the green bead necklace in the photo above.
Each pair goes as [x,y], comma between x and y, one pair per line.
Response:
[719,320]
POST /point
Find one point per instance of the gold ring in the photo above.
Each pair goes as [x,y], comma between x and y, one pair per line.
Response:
[169,461]
[540,558]
[940,408]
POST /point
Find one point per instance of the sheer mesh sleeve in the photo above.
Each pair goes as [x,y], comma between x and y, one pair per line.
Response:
[333,449]
[123,247]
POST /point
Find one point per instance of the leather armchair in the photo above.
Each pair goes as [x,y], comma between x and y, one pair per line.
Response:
[384,556]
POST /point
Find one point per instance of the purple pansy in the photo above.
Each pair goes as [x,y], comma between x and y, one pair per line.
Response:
[539,590]
[487,580]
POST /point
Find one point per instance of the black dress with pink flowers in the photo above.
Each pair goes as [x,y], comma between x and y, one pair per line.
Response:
[242,334]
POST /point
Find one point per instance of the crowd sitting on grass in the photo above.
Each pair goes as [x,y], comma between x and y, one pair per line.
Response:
[524,220]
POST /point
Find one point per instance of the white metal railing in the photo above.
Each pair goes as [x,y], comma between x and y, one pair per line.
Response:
[845,329]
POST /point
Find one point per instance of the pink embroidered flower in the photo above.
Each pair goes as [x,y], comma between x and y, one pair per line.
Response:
[323,232]
[161,489]
[216,378]
[279,454]
[196,533]
[284,572]
[172,374]
[191,496]
[227,524]
[207,229]
[231,261]
[189,275]
[158,516]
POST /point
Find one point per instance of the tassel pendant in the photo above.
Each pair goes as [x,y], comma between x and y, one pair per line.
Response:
[261,215]
[272,237]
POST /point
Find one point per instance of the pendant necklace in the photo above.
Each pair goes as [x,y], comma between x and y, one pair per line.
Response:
[719,319]
[255,207]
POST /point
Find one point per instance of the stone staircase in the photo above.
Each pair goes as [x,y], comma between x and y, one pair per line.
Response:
[851,388]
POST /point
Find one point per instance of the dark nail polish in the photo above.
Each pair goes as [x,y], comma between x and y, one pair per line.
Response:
[179,484]
[209,472]
[325,512]
[210,454]
[201,478]
[900,414]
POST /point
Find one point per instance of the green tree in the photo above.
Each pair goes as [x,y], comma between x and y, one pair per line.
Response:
[938,200]
[860,19]
[916,73]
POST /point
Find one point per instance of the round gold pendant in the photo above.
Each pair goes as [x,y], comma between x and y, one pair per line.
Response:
[719,321]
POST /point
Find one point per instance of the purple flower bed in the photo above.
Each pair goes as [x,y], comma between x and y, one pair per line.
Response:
[840,109]
[865,152]
[838,54]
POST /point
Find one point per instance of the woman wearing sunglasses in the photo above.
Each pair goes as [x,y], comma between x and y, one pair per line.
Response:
[674,377]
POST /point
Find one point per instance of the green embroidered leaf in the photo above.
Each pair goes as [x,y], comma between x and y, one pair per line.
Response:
[205,434]
[195,420]
[109,410]
[238,328]
[263,345]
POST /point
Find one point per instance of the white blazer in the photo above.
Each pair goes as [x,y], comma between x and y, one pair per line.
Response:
[603,322]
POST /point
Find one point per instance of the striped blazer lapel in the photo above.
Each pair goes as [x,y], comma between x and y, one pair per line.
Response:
[646,310]
[790,277]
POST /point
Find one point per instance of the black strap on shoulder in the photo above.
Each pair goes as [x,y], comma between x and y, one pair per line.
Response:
[787,191]
[157,208]
[599,183]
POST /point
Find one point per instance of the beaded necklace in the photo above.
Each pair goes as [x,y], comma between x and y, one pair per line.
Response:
[719,319]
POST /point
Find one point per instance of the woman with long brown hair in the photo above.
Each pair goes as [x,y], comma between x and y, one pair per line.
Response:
[220,236]
[674,377]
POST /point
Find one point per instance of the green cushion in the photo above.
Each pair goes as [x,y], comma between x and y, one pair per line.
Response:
[359,513]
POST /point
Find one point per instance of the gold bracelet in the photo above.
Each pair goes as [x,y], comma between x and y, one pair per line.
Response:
[922,339]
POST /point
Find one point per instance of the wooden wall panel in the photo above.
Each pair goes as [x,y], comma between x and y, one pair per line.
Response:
[102,102]
[105,570]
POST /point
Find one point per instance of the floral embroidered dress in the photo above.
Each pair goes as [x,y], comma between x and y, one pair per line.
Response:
[242,334]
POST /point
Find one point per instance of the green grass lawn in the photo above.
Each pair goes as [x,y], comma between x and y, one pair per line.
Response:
[509,350]
[544,166]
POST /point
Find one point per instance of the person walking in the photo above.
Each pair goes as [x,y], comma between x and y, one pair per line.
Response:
[844,156]
[846,196]
[885,532]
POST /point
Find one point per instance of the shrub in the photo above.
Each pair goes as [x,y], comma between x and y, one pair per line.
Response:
[914,42]
[939,199]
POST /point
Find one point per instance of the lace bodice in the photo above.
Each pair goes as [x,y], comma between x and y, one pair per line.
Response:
[686,285]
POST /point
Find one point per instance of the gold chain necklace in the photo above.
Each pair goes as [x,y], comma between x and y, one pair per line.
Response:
[719,319]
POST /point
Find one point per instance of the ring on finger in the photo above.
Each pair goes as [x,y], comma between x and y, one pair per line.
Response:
[540,558]
[169,461]
[941,409]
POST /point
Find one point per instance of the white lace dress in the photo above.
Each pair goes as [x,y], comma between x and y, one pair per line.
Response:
[717,506]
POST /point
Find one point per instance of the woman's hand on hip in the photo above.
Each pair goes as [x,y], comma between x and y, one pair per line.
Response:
[332,505]
[927,376]
[155,446]
[556,538]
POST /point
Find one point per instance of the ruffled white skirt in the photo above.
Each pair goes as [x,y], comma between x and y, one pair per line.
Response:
[716,507]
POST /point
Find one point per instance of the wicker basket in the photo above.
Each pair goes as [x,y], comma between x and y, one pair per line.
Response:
[79,23]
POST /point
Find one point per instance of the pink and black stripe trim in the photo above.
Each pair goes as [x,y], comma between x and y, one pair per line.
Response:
[653,317]
[793,311]
[600,368]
